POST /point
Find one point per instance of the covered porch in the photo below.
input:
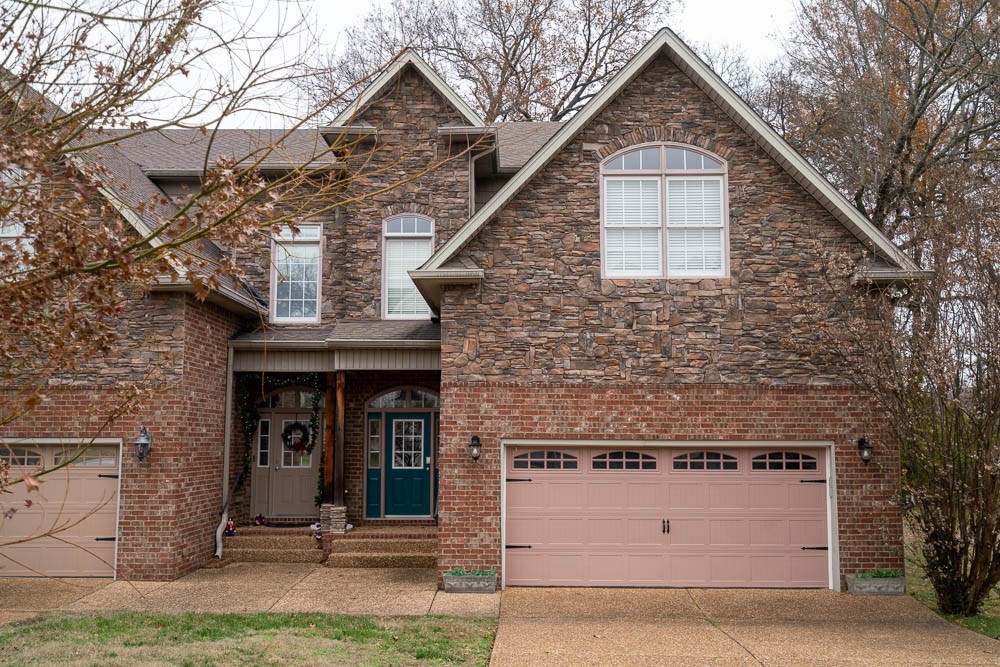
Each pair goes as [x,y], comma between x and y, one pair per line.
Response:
[342,423]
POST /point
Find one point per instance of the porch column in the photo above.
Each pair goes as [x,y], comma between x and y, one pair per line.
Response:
[328,441]
[338,436]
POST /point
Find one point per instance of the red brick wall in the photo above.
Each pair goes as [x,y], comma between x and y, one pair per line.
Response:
[869,521]
[169,503]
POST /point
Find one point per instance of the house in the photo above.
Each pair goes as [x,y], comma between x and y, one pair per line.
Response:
[578,349]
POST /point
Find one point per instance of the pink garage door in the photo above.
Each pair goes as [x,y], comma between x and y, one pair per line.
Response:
[748,517]
[69,527]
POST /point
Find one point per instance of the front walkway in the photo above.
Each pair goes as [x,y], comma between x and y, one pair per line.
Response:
[248,587]
[677,627]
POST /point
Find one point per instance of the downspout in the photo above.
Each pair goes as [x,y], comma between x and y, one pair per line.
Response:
[227,434]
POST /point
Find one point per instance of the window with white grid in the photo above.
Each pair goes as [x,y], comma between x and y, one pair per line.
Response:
[295,274]
[409,242]
[664,214]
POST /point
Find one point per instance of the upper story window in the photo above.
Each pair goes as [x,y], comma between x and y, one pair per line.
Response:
[13,233]
[664,214]
[295,274]
[409,241]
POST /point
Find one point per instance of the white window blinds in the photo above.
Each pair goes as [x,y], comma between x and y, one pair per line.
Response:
[633,228]
[402,255]
[695,225]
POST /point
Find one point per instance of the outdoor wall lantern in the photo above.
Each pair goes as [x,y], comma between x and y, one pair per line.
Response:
[475,447]
[143,444]
[865,449]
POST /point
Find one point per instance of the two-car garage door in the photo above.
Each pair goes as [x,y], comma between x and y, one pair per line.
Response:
[68,527]
[726,517]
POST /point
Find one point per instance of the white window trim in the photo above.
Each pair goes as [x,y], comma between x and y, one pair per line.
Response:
[386,236]
[663,175]
[277,240]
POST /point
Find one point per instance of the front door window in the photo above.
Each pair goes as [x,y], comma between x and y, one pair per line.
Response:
[293,452]
[408,443]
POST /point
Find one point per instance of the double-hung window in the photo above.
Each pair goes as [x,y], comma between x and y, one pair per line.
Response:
[13,231]
[664,214]
[295,274]
[409,242]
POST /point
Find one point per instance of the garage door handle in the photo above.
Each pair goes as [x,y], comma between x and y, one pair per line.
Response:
[105,539]
[666,526]
[815,548]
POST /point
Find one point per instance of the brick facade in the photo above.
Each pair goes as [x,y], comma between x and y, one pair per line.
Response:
[868,513]
[546,348]
[169,503]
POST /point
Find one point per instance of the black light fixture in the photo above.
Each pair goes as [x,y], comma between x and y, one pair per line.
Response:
[475,447]
[143,444]
[865,449]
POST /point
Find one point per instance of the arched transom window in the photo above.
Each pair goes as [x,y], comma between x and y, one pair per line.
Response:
[664,213]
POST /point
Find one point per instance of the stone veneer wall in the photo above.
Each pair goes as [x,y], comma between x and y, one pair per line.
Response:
[546,348]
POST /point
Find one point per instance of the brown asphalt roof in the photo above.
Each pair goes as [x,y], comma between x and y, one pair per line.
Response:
[186,150]
[517,142]
[347,332]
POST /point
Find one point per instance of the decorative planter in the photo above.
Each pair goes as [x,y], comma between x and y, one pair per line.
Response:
[876,585]
[470,583]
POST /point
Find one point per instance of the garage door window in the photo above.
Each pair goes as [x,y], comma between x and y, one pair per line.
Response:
[20,456]
[545,460]
[90,457]
[705,461]
[624,461]
[783,461]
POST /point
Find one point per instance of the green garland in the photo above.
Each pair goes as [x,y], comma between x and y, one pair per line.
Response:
[250,388]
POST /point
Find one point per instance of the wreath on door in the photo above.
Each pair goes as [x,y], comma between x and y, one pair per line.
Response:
[303,444]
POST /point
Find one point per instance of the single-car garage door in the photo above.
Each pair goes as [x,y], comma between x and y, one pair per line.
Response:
[67,529]
[726,517]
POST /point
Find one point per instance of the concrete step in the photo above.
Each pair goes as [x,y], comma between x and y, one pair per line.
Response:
[382,545]
[272,530]
[260,541]
[376,559]
[274,555]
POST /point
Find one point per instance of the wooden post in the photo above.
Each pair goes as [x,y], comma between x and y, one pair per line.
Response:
[328,442]
[338,436]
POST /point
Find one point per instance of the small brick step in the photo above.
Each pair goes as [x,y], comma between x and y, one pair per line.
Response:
[272,530]
[312,555]
[391,533]
[258,541]
[382,545]
[376,559]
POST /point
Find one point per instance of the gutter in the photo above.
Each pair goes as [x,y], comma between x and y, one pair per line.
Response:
[888,276]
[430,282]
[334,344]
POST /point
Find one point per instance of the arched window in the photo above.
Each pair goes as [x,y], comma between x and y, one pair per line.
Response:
[783,461]
[409,241]
[545,460]
[624,460]
[664,213]
[705,461]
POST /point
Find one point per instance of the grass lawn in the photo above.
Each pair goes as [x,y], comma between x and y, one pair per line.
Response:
[256,639]
[987,622]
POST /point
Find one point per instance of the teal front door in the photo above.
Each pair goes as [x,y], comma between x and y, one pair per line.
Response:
[408,464]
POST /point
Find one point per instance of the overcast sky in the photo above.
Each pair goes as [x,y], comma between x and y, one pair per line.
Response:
[756,25]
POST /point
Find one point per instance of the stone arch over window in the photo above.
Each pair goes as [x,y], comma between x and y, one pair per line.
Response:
[407,242]
[664,212]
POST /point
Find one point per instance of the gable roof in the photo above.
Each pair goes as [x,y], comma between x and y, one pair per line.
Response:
[669,44]
[406,58]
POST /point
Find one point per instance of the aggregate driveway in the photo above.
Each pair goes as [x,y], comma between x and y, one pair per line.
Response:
[679,627]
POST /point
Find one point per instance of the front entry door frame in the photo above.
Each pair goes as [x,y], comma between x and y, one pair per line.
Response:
[283,487]
[408,464]
[382,412]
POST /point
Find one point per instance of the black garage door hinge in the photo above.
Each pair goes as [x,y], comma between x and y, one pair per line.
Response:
[815,548]
[812,481]
[105,539]
[109,476]
[518,479]
[517,546]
